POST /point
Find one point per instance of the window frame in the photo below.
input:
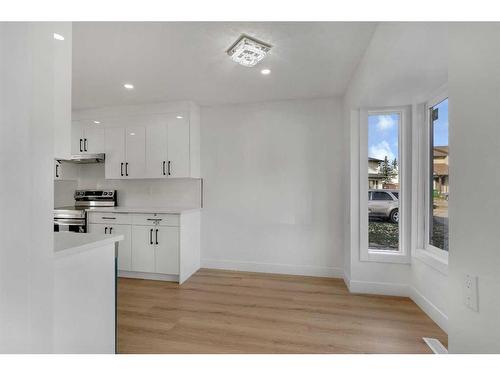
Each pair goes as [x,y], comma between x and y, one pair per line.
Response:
[421,138]
[402,255]
[436,251]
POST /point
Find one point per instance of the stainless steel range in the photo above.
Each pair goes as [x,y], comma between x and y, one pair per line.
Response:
[74,218]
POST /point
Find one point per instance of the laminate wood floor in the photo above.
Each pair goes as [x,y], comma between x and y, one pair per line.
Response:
[239,312]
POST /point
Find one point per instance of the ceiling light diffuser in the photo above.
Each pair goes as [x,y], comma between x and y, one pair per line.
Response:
[58,36]
[128,86]
[248,51]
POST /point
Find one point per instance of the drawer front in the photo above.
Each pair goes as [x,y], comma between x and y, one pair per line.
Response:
[171,220]
[109,218]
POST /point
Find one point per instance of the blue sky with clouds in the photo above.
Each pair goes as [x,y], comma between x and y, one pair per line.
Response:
[441,125]
[383,136]
[383,133]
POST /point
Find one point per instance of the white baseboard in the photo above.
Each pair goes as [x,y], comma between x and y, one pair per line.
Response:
[371,287]
[287,269]
[430,309]
[148,276]
[402,290]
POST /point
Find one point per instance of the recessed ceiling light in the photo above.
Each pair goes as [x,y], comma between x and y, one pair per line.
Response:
[97,122]
[128,86]
[58,36]
[132,133]
[248,51]
[266,71]
[179,117]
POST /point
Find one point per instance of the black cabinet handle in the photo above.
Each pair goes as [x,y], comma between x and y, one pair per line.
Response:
[150,236]
[106,230]
[164,167]
[121,169]
[57,170]
[81,150]
[156,237]
[85,144]
[108,218]
[126,169]
[110,229]
[169,168]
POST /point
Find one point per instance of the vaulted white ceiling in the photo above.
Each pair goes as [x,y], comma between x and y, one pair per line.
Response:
[187,61]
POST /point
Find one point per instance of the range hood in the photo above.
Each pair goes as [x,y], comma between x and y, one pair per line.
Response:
[85,158]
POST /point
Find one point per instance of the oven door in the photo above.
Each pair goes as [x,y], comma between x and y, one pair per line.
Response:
[70,225]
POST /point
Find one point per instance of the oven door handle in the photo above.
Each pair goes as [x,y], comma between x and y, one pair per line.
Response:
[69,222]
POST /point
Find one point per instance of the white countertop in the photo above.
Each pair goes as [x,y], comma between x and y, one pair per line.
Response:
[66,243]
[144,210]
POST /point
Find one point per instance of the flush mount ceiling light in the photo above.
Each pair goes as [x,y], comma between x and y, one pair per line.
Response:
[248,51]
[179,117]
[128,86]
[266,71]
[58,36]
[97,122]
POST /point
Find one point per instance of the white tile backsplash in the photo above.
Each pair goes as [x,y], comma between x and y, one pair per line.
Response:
[134,193]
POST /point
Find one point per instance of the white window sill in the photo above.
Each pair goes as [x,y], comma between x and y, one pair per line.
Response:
[439,263]
[385,256]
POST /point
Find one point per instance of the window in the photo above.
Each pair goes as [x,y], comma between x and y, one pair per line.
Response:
[438,179]
[383,178]
[384,153]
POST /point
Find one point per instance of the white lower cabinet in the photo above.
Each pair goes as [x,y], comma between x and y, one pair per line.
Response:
[167,250]
[124,247]
[143,249]
[151,243]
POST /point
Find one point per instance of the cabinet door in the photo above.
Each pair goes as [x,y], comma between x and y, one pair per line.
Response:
[114,147]
[93,139]
[98,228]
[167,250]
[57,171]
[124,247]
[156,151]
[76,138]
[178,147]
[135,139]
[143,248]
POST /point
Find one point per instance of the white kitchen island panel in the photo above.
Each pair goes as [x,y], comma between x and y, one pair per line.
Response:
[84,293]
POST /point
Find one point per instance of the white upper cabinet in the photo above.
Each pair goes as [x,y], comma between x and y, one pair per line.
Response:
[156,151]
[62,90]
[125,150]
[114,149]
[135,151]
[93,137]
[65,171]
[148,141]
[178,144]
[87,138]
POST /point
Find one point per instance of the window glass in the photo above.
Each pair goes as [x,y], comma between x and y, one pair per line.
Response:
[383,176]
[381,196]
[439,179]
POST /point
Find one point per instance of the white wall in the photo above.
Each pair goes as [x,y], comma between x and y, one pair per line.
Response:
[274,192]
[138,193]
[403,65]
[474,84]
[26,164]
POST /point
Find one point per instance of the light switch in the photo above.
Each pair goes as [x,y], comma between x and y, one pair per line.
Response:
[471,292]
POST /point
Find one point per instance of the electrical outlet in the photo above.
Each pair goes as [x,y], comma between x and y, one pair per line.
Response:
[471,292]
